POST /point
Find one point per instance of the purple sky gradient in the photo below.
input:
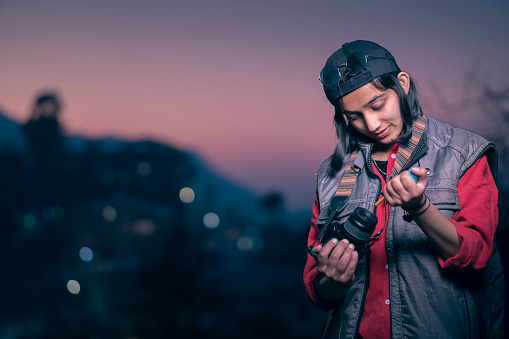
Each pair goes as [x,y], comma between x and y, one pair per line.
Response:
[235,81]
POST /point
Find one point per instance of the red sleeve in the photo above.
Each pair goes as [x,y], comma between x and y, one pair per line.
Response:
[310,271]
[477,219]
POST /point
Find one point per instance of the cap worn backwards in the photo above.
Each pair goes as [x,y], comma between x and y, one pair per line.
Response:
[354,65]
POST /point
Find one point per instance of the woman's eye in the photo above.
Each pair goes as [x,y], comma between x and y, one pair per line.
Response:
[352,117]
[379,107]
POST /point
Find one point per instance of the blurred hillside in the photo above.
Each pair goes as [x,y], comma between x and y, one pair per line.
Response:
[113,239]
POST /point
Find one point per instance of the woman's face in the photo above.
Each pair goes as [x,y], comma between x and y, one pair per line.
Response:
[375,113]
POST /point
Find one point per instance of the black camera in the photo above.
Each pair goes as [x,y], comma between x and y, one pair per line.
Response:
[357,229]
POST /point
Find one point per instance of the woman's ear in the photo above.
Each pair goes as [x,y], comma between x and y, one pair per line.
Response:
[404,81]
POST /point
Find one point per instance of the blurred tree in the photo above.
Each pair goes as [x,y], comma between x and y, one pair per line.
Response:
[273,202]
[482,95]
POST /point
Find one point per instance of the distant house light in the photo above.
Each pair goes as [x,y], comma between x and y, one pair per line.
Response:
[186,195]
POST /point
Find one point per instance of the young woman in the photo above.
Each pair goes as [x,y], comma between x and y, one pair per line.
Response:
[431,268]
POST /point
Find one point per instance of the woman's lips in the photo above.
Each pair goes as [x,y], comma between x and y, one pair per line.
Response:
[382,134]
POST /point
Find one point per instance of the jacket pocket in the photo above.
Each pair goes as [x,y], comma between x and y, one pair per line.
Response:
[445,199]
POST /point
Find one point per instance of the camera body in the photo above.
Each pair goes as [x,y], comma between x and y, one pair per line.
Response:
[357,229]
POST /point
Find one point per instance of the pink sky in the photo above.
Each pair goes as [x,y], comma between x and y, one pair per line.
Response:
[236,82]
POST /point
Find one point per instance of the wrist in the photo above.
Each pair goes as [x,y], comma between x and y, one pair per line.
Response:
[414,208]
[331,289]
[417,212]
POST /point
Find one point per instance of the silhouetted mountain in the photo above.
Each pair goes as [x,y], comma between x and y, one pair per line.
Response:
[107,238]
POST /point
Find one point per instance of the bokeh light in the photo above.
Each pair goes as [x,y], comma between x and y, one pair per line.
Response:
[144,168]
[86,254]
[245,243]
[29,220]
[186,195]
[73,286]
[143,227]
[232,233]
[211,220]
[109,213]
[58,212]
[251,240]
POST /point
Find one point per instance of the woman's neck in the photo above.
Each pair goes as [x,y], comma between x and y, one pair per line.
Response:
[381,151]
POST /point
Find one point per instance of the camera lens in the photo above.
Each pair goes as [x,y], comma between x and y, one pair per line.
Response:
[359,227]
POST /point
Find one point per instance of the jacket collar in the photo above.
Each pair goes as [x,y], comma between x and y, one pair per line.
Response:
[408,153]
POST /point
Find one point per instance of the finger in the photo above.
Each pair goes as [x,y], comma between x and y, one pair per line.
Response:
[390,196]
[317,248]
[415,191]
[337,253]
[352,265]
[345,259]
[323,256]
[419,172]
[408,181]
[404,189]
[397,185]
[414,186]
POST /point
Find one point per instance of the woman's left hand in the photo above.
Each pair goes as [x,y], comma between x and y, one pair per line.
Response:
[404,191]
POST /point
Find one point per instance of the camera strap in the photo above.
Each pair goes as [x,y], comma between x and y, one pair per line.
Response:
[406,150]
[338,202]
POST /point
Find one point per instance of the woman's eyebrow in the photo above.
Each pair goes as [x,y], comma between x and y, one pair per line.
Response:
[367,104]
[374,99]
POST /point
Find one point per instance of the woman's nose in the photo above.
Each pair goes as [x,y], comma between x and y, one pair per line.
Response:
[372,122]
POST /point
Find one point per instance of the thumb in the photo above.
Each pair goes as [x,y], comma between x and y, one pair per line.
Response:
[419,174]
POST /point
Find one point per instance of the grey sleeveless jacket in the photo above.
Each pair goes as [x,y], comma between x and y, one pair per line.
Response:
[426,300]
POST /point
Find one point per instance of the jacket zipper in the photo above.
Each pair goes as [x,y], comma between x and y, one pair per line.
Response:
[480,318]
[368,252]
[364,295]
[370,169]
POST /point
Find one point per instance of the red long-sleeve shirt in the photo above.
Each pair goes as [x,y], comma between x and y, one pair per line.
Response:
[475,223]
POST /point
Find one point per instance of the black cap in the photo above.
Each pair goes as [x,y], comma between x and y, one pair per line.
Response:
[379,62]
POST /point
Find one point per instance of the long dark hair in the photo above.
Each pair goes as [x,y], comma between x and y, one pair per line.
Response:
[348,136]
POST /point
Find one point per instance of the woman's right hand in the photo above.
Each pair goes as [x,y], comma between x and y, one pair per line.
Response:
[337,262]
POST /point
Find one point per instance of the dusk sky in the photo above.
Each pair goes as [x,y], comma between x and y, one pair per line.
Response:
[234,81]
